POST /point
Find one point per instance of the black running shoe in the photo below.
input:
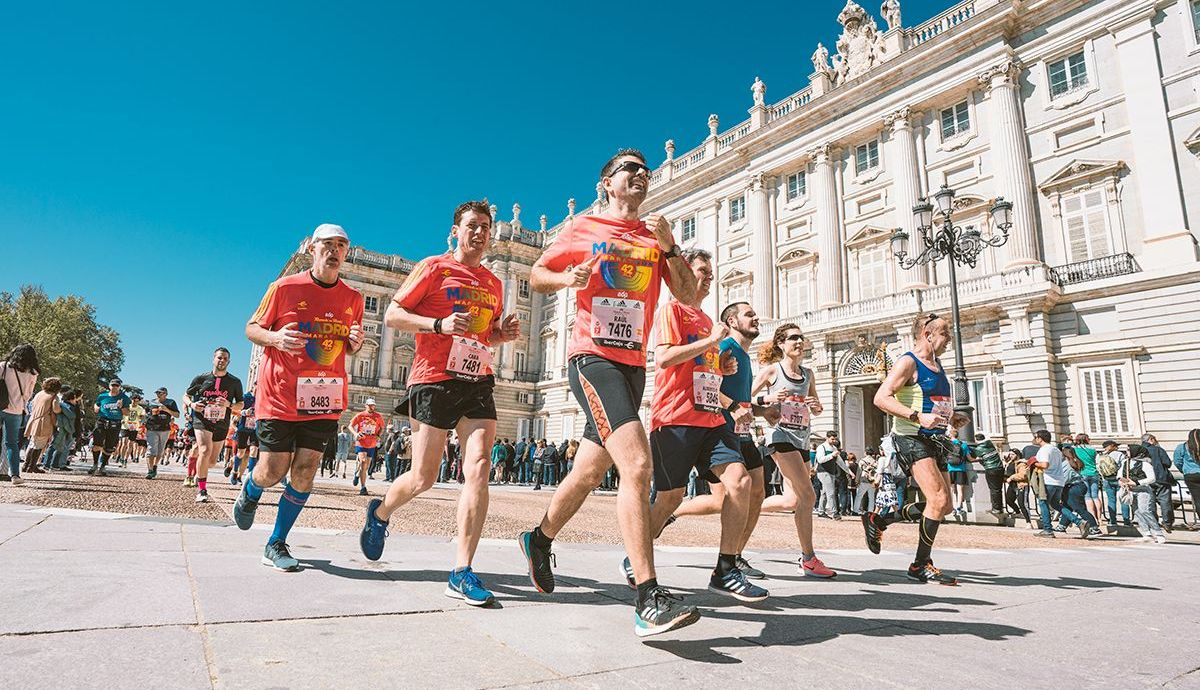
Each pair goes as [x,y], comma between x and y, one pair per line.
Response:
[749,570]
[929,573]
[873,534]
[662,611]
[540,560]
[735,584]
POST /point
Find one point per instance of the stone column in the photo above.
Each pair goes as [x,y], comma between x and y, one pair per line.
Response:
[907,183]
[1155,168]
[759,217]
[1011,159]
[387,347]
[829,236]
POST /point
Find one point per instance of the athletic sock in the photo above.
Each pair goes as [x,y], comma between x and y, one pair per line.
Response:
[202,484]
[725,563]
[644,589]
[927,532]
[290,505]
[913,512]
[103,460]
[95,458]
[253,491]
[540,538]
[250,463]
[808,556]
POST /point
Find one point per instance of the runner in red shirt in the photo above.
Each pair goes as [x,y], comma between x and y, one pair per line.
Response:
[306,324]
[688,430]
[453,303]
[616,263]
[366,427]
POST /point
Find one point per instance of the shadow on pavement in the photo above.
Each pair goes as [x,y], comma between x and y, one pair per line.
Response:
[790,631]
[974,577]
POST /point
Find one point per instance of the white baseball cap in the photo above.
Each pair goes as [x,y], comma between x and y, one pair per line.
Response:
[370,401]
[325,231]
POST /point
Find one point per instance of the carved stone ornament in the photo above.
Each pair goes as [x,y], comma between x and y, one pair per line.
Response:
[757,181]
[571,206]
[860,47]
[759,90]
[1004,73]
[890,11]
[820,153]
[820,61]
[898,118]
[713,123]
[670,148]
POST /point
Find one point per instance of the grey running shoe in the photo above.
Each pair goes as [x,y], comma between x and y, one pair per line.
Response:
[662,611]
[278,557]
[243,510]
[735,584]
[749,570]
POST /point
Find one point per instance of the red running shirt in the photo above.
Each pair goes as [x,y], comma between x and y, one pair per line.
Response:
[368,425]
[613,311]
[687,394]
[288,387]
[438,287]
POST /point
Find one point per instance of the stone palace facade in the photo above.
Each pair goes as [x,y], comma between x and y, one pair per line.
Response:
[1085,114]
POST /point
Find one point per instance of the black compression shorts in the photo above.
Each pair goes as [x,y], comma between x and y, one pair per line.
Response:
[609,393]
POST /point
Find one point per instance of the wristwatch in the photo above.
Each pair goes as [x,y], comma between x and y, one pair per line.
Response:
[913,416]
[672,252]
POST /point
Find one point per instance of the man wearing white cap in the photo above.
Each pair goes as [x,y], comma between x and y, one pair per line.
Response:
[366,427]
[306,324]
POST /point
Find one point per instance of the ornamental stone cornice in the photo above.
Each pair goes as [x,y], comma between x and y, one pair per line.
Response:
[821,153]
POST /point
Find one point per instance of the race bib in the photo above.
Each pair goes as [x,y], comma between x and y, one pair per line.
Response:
[942,406]
[706,391]
[214,412]
[367,429]
[250,422]
[743,428]
[469,360]
[793,412]
[618,322]
[319,394]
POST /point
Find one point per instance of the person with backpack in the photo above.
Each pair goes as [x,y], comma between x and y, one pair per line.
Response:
[1091,478]
[18,376]
[993,471]
[1187,460]
[1074,509]
[1164,482]
[1108,465]
[1016,485]
[1138,476]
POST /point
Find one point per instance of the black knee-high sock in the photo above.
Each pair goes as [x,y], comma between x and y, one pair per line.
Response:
[909,513]
[927,533]
[95,457]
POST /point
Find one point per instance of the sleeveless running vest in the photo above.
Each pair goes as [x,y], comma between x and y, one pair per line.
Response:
[794,422]
[931,394]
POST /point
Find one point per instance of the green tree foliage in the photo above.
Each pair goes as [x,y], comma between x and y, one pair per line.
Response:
[69,342]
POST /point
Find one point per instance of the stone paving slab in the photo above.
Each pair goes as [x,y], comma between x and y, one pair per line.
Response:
[187,604]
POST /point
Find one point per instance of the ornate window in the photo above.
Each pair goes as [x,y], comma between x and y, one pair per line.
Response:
[1085,197]
[737,209]
[364,366]
[523,288]
[795,271]
[371,304]
[873,264]
[955,121]
[1105,392]
[1068,74]
[797,185]
[688,231]
[738,292]
[866,157]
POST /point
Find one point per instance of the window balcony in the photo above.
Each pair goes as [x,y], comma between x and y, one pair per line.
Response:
[1094,269]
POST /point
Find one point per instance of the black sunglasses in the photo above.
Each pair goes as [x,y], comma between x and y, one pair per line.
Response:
[794,337]
[631,167]
[930,319]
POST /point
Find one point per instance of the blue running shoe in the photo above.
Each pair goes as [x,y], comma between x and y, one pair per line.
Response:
[374,532]
[627,573]
[735,584]
[355,479]
[465,584]
[243,510]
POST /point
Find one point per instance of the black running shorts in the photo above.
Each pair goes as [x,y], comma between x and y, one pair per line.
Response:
[129,434]
[609,393]
[106,435]
[677,449]
[911,449]
[280,436]
[443,404]
[246,438]
[750,454]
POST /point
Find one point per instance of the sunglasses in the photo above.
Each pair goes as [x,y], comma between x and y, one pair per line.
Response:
[930,319]
[631,167]
[795,337]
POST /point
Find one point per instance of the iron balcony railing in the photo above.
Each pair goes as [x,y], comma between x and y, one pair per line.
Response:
[1094,269]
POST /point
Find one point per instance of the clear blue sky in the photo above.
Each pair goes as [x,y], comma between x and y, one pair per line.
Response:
[163,159]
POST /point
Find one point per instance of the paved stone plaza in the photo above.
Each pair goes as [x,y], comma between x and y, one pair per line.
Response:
[108,600]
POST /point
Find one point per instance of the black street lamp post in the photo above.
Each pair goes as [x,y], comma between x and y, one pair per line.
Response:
[941,238]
